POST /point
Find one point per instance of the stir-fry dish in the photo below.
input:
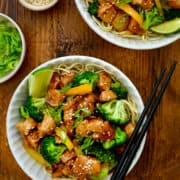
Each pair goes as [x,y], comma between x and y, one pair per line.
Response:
[79,126]
[141,19]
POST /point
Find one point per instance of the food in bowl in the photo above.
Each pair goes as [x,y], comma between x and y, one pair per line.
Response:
[38,5]
[77,120]
[144,19]
[39,2]
[10,47]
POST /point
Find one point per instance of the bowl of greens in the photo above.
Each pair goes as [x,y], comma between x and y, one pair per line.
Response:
[72,117]
[145,24]
[12,47]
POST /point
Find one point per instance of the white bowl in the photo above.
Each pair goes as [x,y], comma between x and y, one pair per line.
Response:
[123,42]
[29,165]
[37,8]
[14,24]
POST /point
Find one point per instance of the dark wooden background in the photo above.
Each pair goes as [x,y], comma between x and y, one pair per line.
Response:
[61,31]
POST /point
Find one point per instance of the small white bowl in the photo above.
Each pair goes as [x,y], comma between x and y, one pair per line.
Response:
[119,41]
[38,8]
[14,24]
[33,169]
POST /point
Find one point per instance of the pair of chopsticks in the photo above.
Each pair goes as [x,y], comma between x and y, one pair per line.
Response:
[142,125]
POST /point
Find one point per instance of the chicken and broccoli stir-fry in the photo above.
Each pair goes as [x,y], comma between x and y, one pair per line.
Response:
[133,18]
[81,127]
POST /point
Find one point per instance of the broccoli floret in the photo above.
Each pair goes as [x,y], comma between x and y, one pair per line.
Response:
[151,18]
[103,155]
[170,14]
[87,142]
[115,111]
[33,106]
[50,150]
[119,89]
[86,77]
[24,112]
[120,138]
[93,7]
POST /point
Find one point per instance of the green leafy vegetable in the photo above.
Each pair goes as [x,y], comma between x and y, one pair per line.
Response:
[119,89]
[10,48]
[87,143]
[86,77]
[55,113]
[120,138]
[115,111]
[80,115]
[66,88]
[24,112]
[33,106]
[170,14]
[151,18]
[50,150]
[93,7]
[103,155]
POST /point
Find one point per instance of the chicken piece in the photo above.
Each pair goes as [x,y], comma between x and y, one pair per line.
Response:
[84,165]
[104,82]
[58,171]
[174,4]
[58,140]
[121,21]
[107,96]
[54,97]
[99,129]
[55,81]
[68,116]
[47,126]
[129,128]
[33,139]
[66,78]
[145,4]
[107,12]
[134,27]
[105,1]
[67,155]
[88,102]
[26,126]
[67,170]
[72,104]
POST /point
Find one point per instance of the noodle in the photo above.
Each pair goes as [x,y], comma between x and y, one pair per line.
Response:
[149,35]
[78,68]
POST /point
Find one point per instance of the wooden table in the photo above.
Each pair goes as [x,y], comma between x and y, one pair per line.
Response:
[61,31]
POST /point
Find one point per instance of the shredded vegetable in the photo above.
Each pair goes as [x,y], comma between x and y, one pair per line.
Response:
[10,48]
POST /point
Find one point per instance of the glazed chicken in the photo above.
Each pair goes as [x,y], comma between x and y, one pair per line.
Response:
[96,127]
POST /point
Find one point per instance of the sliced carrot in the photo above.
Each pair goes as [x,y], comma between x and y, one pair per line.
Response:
[131,11]
[80,90]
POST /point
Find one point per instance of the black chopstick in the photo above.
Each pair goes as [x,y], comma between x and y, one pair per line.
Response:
[126,159]
[139,123]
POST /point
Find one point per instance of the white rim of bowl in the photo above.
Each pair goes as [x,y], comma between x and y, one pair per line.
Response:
[38,8]
[13,72]
[64,59]
[88,19]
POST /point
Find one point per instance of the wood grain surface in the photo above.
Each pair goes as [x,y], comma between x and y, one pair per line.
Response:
[61,31]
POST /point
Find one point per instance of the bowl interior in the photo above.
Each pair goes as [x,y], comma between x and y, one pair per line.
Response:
[12,23]
[29,165]
[123,42]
